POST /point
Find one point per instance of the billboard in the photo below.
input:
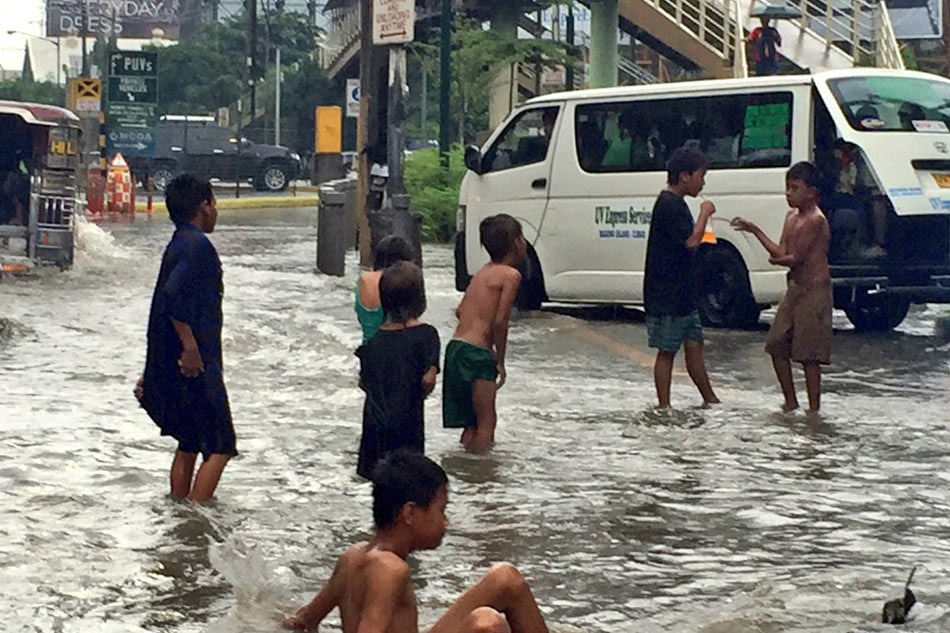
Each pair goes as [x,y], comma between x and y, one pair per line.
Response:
[124,18]
[916,19]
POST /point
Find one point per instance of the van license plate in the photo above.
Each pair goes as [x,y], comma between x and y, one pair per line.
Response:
[942,180]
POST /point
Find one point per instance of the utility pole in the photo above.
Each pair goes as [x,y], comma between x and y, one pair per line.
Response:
[312,11]
[425,105]
[396,113]
[252,4]
[277,80]
[84,31]
[569,72]
[445,87]
[367,119]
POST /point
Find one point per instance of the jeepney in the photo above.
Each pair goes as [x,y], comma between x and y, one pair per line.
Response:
[39,160]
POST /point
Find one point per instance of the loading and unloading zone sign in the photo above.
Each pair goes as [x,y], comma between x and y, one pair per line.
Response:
[394,21]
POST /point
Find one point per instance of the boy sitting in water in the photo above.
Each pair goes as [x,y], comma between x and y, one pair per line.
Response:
[371,584]
[801,331]
[475,357]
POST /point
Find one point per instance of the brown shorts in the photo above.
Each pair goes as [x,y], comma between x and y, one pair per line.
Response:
[801,330]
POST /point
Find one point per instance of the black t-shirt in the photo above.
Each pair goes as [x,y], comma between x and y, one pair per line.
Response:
[669,284]
[392,364]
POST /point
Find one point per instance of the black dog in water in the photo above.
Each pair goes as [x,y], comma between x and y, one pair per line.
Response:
[895,611]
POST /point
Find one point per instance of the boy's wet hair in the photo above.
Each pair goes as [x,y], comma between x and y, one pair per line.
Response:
[685,160]
[402,292]
[804,171]
[499,234]
[392,249]
[403,477]
[184,195]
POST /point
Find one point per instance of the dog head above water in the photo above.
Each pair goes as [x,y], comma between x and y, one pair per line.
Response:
[895,611]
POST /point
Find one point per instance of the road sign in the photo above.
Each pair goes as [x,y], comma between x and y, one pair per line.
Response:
[133,64]
[394,21]
[85,95]
[352,97]
[133,99]
[133,89]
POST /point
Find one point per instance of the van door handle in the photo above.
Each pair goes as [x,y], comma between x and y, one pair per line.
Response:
[539,183]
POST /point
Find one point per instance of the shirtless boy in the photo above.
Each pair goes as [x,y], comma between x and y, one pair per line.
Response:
[475,357]
[371,584]
[801,331]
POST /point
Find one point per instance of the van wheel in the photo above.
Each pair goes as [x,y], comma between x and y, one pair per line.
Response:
[162,176]
[725,296]
[877,313]
[531,292]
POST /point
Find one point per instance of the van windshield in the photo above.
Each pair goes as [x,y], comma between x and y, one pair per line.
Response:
[894,104]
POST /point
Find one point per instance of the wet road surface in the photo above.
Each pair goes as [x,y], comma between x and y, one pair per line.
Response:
[736,519]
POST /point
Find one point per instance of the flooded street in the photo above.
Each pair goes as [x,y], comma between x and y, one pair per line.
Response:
[731,520]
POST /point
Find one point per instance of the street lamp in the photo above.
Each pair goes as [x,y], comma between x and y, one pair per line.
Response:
[55,43]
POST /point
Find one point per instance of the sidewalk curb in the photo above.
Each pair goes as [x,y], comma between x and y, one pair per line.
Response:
[284,202]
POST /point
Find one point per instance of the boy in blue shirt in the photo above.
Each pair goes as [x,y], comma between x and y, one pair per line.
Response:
[182,388]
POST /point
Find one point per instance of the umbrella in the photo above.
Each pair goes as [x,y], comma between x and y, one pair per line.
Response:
[775,12]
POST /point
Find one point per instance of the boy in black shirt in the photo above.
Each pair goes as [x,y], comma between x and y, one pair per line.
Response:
[669,292]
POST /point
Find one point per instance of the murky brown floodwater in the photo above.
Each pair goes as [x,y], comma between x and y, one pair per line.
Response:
[732,520]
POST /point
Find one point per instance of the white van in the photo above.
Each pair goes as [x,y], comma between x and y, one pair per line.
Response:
[581,171]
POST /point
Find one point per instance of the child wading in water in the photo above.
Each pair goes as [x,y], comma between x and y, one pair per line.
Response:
[475,357]
[369,311]
[398,368]
[371,583]
[801,331]
[669,280]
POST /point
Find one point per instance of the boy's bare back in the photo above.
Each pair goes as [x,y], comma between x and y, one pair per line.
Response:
[807,236]
[487,304]
[362,571]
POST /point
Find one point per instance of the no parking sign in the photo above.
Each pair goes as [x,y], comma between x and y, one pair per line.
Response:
[352,97]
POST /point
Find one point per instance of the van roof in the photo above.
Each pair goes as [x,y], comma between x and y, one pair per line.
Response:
[712,85]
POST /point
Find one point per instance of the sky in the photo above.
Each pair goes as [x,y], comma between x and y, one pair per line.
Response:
[21,15]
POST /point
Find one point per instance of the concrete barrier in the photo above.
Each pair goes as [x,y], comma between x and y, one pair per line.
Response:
[332,239]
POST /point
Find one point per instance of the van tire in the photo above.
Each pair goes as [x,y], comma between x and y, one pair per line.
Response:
[877,313]
[162,174]
[531,293]
[725,298]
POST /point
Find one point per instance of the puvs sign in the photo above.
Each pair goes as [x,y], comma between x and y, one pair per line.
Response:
[132,18]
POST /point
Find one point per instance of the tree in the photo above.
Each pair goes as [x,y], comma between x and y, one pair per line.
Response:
[45,92]
[478,56]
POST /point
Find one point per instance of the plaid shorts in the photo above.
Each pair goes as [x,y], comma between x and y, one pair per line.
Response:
[668,332]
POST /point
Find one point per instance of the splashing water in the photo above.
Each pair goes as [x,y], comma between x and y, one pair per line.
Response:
[93,243]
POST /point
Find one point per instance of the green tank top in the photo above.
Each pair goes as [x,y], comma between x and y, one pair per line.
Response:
[370,320]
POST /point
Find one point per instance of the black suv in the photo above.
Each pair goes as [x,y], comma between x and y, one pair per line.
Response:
[209,150]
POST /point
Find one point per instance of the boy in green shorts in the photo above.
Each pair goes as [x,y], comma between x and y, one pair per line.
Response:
[669,286]
[475,357]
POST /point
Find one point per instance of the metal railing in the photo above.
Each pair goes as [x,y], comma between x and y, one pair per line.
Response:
[707,21]
[740,64]
[860,28]
[636,72]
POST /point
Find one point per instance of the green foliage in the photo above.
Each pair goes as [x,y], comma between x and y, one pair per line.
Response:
[478,55]
[45,92]
[434,192]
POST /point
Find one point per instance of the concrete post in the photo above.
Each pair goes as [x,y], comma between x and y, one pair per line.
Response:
[504,88]
[331,228]
[398,220]
[604,22]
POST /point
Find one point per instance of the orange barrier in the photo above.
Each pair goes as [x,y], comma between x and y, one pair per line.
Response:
[120,190]
[95,194]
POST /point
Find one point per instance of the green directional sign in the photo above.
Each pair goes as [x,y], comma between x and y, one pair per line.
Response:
[133,89]
[133,99]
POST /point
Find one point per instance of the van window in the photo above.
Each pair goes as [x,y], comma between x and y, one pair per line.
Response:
[734,131]
[524,142]
[891,104]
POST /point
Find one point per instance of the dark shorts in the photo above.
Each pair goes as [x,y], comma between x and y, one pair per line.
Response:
[464,364]
[668,332]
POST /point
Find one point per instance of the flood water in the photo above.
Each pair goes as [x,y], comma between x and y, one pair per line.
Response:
[730,520]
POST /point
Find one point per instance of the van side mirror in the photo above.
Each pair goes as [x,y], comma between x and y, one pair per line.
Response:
[473,159]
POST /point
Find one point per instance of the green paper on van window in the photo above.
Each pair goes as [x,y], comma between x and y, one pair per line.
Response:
[902,89]
[766,126]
